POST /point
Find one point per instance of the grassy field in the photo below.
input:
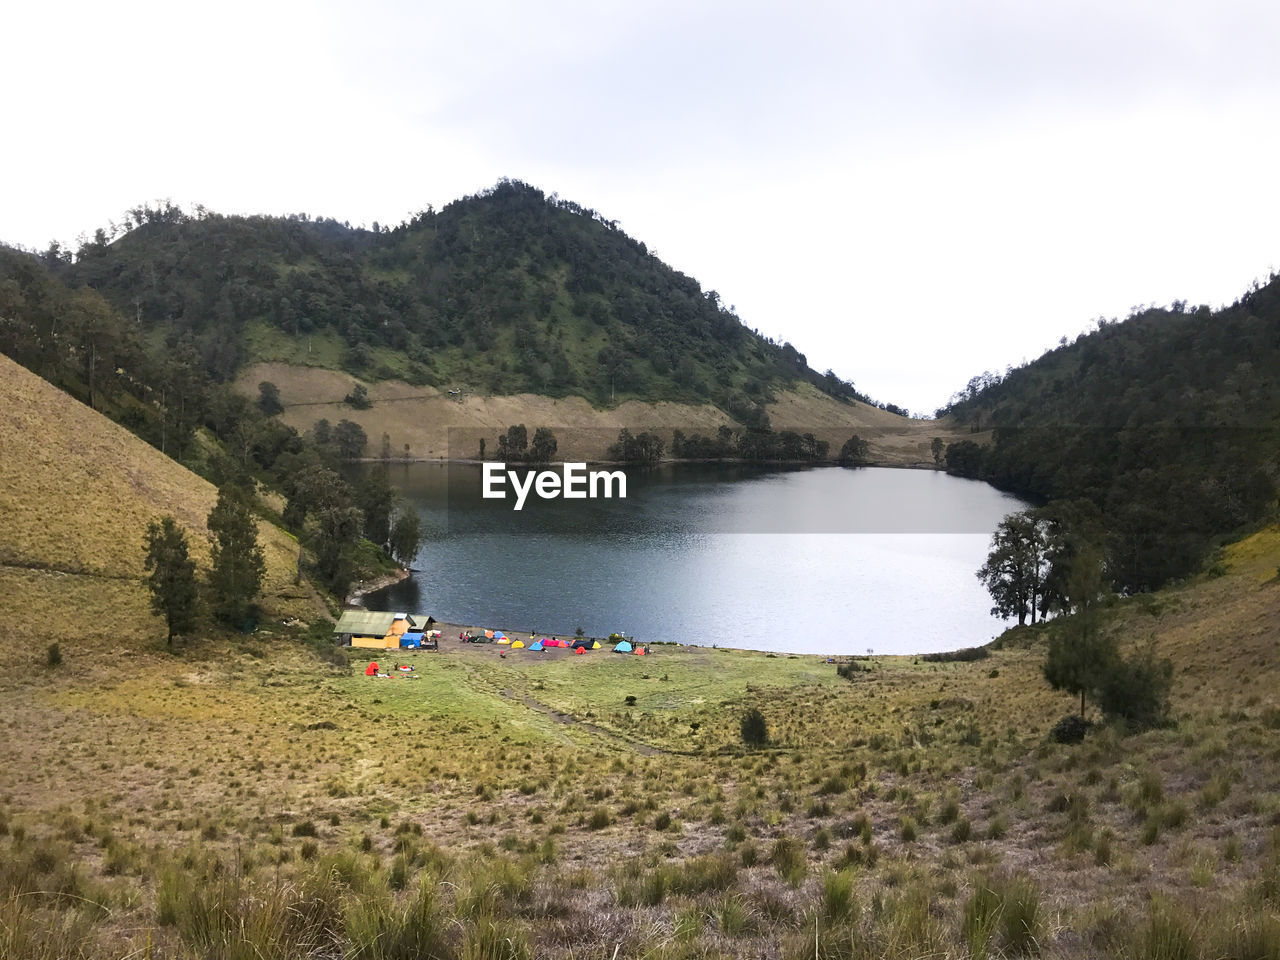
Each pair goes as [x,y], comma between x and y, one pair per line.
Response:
[251,798]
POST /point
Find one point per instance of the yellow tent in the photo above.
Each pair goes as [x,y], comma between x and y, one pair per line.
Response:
[504,640]
[518,643]
[596,645]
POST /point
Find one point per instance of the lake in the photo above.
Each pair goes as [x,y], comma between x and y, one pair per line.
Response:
[806,560]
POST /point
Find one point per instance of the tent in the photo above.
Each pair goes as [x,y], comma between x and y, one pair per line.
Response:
[582,644]
[595,645]
[411,641]
[579,651]
[641,651]
[372,669]
[622,647]
[536,645]
[504,640]
[517,644]
[498,635]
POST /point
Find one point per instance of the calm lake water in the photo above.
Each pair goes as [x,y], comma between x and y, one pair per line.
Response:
[811,560]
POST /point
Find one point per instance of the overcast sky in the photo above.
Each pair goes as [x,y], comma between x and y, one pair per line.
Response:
[910,192]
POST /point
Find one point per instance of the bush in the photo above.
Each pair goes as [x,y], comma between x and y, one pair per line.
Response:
[755,731]
[53,657]
[1070,729]
[848,669]
[966,655]
[1137,690]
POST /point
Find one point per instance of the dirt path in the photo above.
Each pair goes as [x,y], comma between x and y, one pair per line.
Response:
[572,721]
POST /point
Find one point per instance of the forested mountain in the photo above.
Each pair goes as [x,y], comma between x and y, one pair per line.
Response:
[506,291]
[1167,422]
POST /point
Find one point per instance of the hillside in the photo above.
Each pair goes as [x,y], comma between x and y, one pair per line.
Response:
[76,494]
[505,292]
[1169,422]
[431,423]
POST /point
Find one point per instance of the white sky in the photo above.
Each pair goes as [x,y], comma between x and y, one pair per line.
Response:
[910,192]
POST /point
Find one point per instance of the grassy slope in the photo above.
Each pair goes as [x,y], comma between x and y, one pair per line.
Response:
[423,417]
[133,763]
[75,499]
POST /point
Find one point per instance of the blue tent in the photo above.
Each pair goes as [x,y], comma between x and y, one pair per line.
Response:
[622,647]
[411,640]
[537,646]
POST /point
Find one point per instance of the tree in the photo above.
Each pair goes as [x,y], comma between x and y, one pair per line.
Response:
[171,575]
[269,398]
[406,536]
[937,447]
[358,397]
[1080,657]
[322,433]
[1015,569]
[544,445]
[238,562]
[350,439]
[1136,690]
[513,444]
[336,535]
[854,452]
[376,498]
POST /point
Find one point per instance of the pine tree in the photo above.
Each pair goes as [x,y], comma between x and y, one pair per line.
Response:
[238,561]
[171,575]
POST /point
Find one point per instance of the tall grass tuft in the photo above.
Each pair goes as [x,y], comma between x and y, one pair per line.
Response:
[1003,907]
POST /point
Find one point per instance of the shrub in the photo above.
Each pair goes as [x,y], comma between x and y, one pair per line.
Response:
[755,731]
[53,656]
[629,701]
[966,655]
[909,830]
[1070,729]
[1137,690]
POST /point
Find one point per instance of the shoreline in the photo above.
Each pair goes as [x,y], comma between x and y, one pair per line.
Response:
[355,597]
[665,461]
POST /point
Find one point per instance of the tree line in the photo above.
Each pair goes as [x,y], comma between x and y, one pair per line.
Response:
[1167,423]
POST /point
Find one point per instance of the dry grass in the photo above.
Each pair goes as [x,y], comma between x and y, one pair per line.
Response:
[435,425]
[77,492]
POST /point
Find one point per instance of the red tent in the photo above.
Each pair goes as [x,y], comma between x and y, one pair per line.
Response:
[371,670]
[580,651]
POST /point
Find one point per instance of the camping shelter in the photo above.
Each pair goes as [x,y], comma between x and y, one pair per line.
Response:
[376,629]
[622,647]
[536,645]
[519,644]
